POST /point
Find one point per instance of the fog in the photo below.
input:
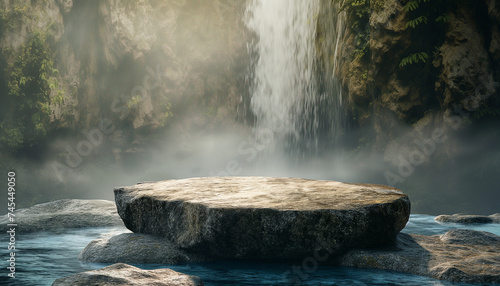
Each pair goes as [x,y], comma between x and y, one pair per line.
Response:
[465,183]
[456,174]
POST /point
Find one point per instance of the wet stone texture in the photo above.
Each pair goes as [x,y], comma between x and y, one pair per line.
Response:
[264,218]
[459,255]
[65,214]
[123,274]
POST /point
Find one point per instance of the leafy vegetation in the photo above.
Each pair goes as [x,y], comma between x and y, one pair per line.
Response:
[414,58]
[10,17]
[359,12]
[134,101]
[29,88]
[426,18]
[428,10]
[165,113]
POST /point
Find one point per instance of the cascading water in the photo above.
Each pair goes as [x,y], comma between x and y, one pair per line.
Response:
[283,76]
[292,94]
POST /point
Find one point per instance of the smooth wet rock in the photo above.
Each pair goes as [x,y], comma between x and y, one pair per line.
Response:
[466,256]
[463,218]
[123,274]
[65,214]
[470,237]
[264,218]
[136,248]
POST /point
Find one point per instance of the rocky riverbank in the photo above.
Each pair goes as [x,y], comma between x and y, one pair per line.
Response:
[136,248]
[123,274]
[65,214]
[464,218]
[264,218]
[460,255]
[255,218]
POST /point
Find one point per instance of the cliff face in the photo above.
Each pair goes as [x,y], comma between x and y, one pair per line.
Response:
[136,63]
[413,89]
[87,85]
[426,95]
[460,68]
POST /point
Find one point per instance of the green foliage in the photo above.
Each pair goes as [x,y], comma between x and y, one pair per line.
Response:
[59,98]
[165,113]
[415,22]
[6,23]
[11,135]
[414,58]
[364,75]
[362,44]
[10,17]
[359,10]
[443,18]
[377,5]
[359,14]
[134,101]
[18,10]
[413,5]
[425,19]
[421,11]
[29,88]
[3,20]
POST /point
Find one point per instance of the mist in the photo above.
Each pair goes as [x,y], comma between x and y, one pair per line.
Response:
[195,72]
[466,183]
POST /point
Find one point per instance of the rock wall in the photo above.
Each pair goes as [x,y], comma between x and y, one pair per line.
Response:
[138,63]
[462,70]
[137,69]
[428,124]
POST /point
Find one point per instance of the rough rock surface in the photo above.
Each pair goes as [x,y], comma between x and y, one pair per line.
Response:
[264,218]
[463,218]
[459,255]
[64,214]
[169,43]
[136,248]
[402,105]
[467,63]
[470,237]
[123,274]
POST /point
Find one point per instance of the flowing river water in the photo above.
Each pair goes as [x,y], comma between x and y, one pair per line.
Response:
[44,257]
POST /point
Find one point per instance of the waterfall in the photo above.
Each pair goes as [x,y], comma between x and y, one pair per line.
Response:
[288,98]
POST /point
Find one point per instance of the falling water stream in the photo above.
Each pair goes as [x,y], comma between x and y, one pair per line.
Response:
[284,88]
[294,94]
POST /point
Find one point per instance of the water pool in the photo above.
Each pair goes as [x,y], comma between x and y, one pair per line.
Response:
[44,257]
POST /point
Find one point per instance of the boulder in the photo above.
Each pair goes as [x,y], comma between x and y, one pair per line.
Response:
[136,248]
[470,237]
[465,256]
[65,214]
[264,218]
[463,218]
[123,274]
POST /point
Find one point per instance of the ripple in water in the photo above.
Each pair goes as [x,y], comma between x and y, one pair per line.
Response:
[44,257]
